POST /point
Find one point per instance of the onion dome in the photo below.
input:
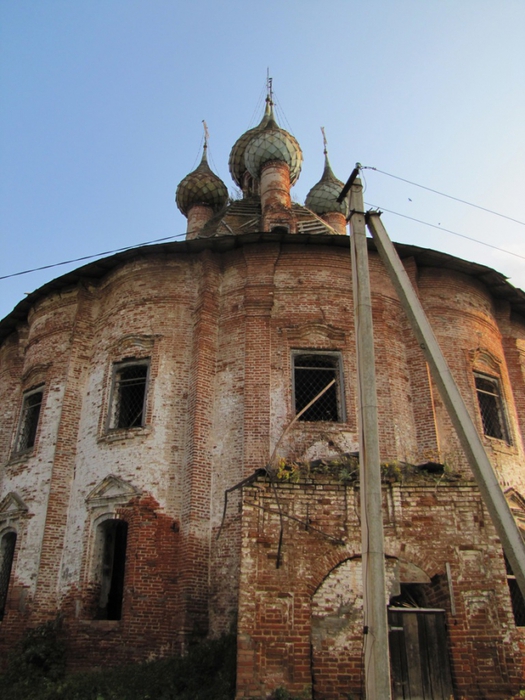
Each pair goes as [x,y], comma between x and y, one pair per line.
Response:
[273,143]
[201,186]
[322,198]
[236,160]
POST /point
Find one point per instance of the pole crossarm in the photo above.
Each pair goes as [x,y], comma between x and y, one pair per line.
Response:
[468,435]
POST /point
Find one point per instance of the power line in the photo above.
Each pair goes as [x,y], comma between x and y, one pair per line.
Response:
[442,194]
[90,257]
[447,230]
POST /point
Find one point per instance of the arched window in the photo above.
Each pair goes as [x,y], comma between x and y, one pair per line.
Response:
[7,554]
[111,552]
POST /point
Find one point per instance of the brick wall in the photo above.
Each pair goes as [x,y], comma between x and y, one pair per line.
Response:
[218,330]
[301,622]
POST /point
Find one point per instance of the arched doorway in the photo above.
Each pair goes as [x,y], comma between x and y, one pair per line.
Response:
[419,652]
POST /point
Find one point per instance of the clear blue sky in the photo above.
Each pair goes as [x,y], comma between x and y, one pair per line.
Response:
[102,103]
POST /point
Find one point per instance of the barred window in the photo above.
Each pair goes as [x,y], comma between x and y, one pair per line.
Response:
[29,417]
[516,596]
[7,554]
[491,407]
[312,373]
[129,390]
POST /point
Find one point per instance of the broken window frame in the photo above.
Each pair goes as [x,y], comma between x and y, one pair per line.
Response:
[7,557]
[29,421]
[114,418]
[334,372]
[491,408]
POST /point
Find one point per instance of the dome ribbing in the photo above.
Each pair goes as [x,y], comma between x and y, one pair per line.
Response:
[201,186]
[272,143]
[322,198]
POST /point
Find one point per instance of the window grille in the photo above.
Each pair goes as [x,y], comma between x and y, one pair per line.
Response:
[29,420]
[312,373]
[7,553]
[129,395]
[490,407]
[516,596]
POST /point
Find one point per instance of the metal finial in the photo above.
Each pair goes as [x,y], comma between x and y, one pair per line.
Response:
[206,133]
[325,142]
[269,87]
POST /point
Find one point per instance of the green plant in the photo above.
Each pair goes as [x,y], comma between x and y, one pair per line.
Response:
[207,672]
[288,471]
[41,653]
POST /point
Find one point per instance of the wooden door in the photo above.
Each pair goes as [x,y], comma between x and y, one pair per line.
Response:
[419,654]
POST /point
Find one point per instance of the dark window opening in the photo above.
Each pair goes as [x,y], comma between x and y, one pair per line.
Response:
[490,407]
[412,595]
[7,554]
[516,596]
[113,535]
[129,395]
[312,373]
[29,421]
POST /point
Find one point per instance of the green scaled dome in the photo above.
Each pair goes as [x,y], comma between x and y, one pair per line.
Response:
[273,143]
[322,198]
[236,160]
[201,186]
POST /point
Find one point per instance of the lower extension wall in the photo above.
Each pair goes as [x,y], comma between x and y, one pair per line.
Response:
[300,608]
[152,619]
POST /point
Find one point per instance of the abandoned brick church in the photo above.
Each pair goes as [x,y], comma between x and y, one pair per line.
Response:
[154,490]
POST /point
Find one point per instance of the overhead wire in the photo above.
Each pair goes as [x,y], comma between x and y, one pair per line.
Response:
[443,194]
[90,257]
[447,230]
[374,206]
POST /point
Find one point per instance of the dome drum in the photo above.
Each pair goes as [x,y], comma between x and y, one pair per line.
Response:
[198,217]
[275,186]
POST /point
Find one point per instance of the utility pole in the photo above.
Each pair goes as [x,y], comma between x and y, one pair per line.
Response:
[375,629]
[487,481]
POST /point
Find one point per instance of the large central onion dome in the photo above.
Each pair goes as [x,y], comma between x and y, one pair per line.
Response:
[271,143]
[322,198]
[201,186]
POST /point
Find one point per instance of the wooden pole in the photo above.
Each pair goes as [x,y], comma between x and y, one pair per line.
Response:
[375,629]
[487,481]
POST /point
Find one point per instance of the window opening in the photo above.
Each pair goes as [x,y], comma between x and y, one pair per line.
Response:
[29,420]
[114,535]
[129,395]
[312,373]
[490,407]
[7,554]
[516,596]
[412,595]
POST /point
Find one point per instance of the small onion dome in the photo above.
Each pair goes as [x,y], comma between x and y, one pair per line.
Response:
[236,160]
[201,186]
[273,143]
[322,198]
